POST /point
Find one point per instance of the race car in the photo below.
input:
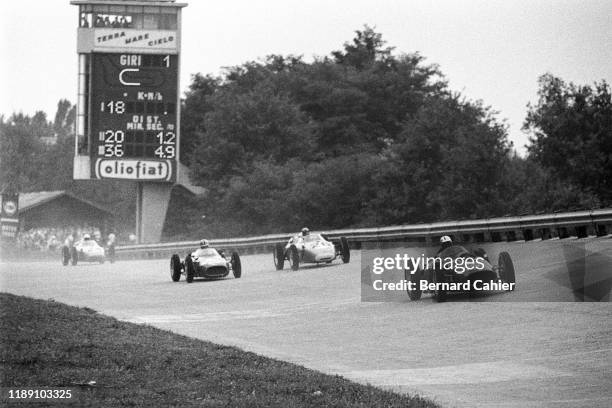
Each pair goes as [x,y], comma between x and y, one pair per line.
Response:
[208,263]
[482,276]
[311,248]
[84,250]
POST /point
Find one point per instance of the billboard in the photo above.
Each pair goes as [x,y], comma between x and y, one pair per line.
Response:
[9,215]
[134,116]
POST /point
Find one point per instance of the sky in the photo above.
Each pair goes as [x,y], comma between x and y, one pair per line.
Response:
[488,50]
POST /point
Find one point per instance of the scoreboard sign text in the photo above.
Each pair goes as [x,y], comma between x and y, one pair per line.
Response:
[133,116]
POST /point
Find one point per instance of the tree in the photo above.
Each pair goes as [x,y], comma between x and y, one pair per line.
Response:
[571,133]
[244,128]
[364,137]
[65,116]
[367,48]
[194,109]
[446,165]
[19,149]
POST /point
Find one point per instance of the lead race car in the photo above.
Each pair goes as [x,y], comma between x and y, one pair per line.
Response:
[310,248]
[205,262]
[84,250]
[439,281]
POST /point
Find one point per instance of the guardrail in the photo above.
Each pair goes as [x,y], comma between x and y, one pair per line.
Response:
[562,225]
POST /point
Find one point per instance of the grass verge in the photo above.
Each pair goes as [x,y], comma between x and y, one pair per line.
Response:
[49,344]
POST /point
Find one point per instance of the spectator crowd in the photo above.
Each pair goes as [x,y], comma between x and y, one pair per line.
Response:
[52,239]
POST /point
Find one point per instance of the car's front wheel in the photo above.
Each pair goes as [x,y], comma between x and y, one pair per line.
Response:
[189,269]
[294,258]
[506,268]
[345,251]
[236,265]
[65,255]
[279,256]
[175,268]
[414,284]
[74,255]
[439,293]
[111,253]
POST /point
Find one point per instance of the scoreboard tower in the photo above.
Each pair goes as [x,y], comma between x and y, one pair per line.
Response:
[128,105]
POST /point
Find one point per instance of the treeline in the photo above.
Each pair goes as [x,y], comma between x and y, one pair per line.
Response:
[36,154]
[362,137]
[369,137]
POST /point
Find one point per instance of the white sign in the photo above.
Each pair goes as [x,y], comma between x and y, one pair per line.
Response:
[10,208]
[129,38]
[150,170]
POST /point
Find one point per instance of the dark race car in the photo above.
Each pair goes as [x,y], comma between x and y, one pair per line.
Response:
[207,263]
[481,276]
[312,248]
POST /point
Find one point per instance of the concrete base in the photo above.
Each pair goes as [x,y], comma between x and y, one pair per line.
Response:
[81,168]
[151,205]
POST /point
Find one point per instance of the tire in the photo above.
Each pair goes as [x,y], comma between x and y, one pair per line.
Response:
[279,256]
[345,251]
[236,265]
[74,255]
[415,277]
[111,253]
[65,255]
[175,268]
[439,295]
[294,258]
[506,268]
[189,272]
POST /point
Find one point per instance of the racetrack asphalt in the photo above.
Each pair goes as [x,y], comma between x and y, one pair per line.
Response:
[499,351]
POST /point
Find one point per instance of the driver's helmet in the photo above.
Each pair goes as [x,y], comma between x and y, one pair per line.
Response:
[86,237]
[446,241]
[204,243]
[305,231]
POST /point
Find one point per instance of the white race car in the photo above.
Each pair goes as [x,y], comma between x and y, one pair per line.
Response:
[85,250]
[311,248]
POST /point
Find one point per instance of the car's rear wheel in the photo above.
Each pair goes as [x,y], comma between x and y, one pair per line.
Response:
[345,251]
[189,272]
[506,268]
[175,268]
[74,255]
[439,293]
[236,265]
[279,256]
[414,279]
[294,258]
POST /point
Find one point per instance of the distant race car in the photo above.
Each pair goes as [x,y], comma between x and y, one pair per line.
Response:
[85,250]
[500,277]
[208,263]
[312,248]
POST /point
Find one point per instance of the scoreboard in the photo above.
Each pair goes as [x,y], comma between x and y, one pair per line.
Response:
[133,116]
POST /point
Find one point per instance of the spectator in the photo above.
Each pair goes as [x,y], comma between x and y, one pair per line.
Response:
[84,22]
